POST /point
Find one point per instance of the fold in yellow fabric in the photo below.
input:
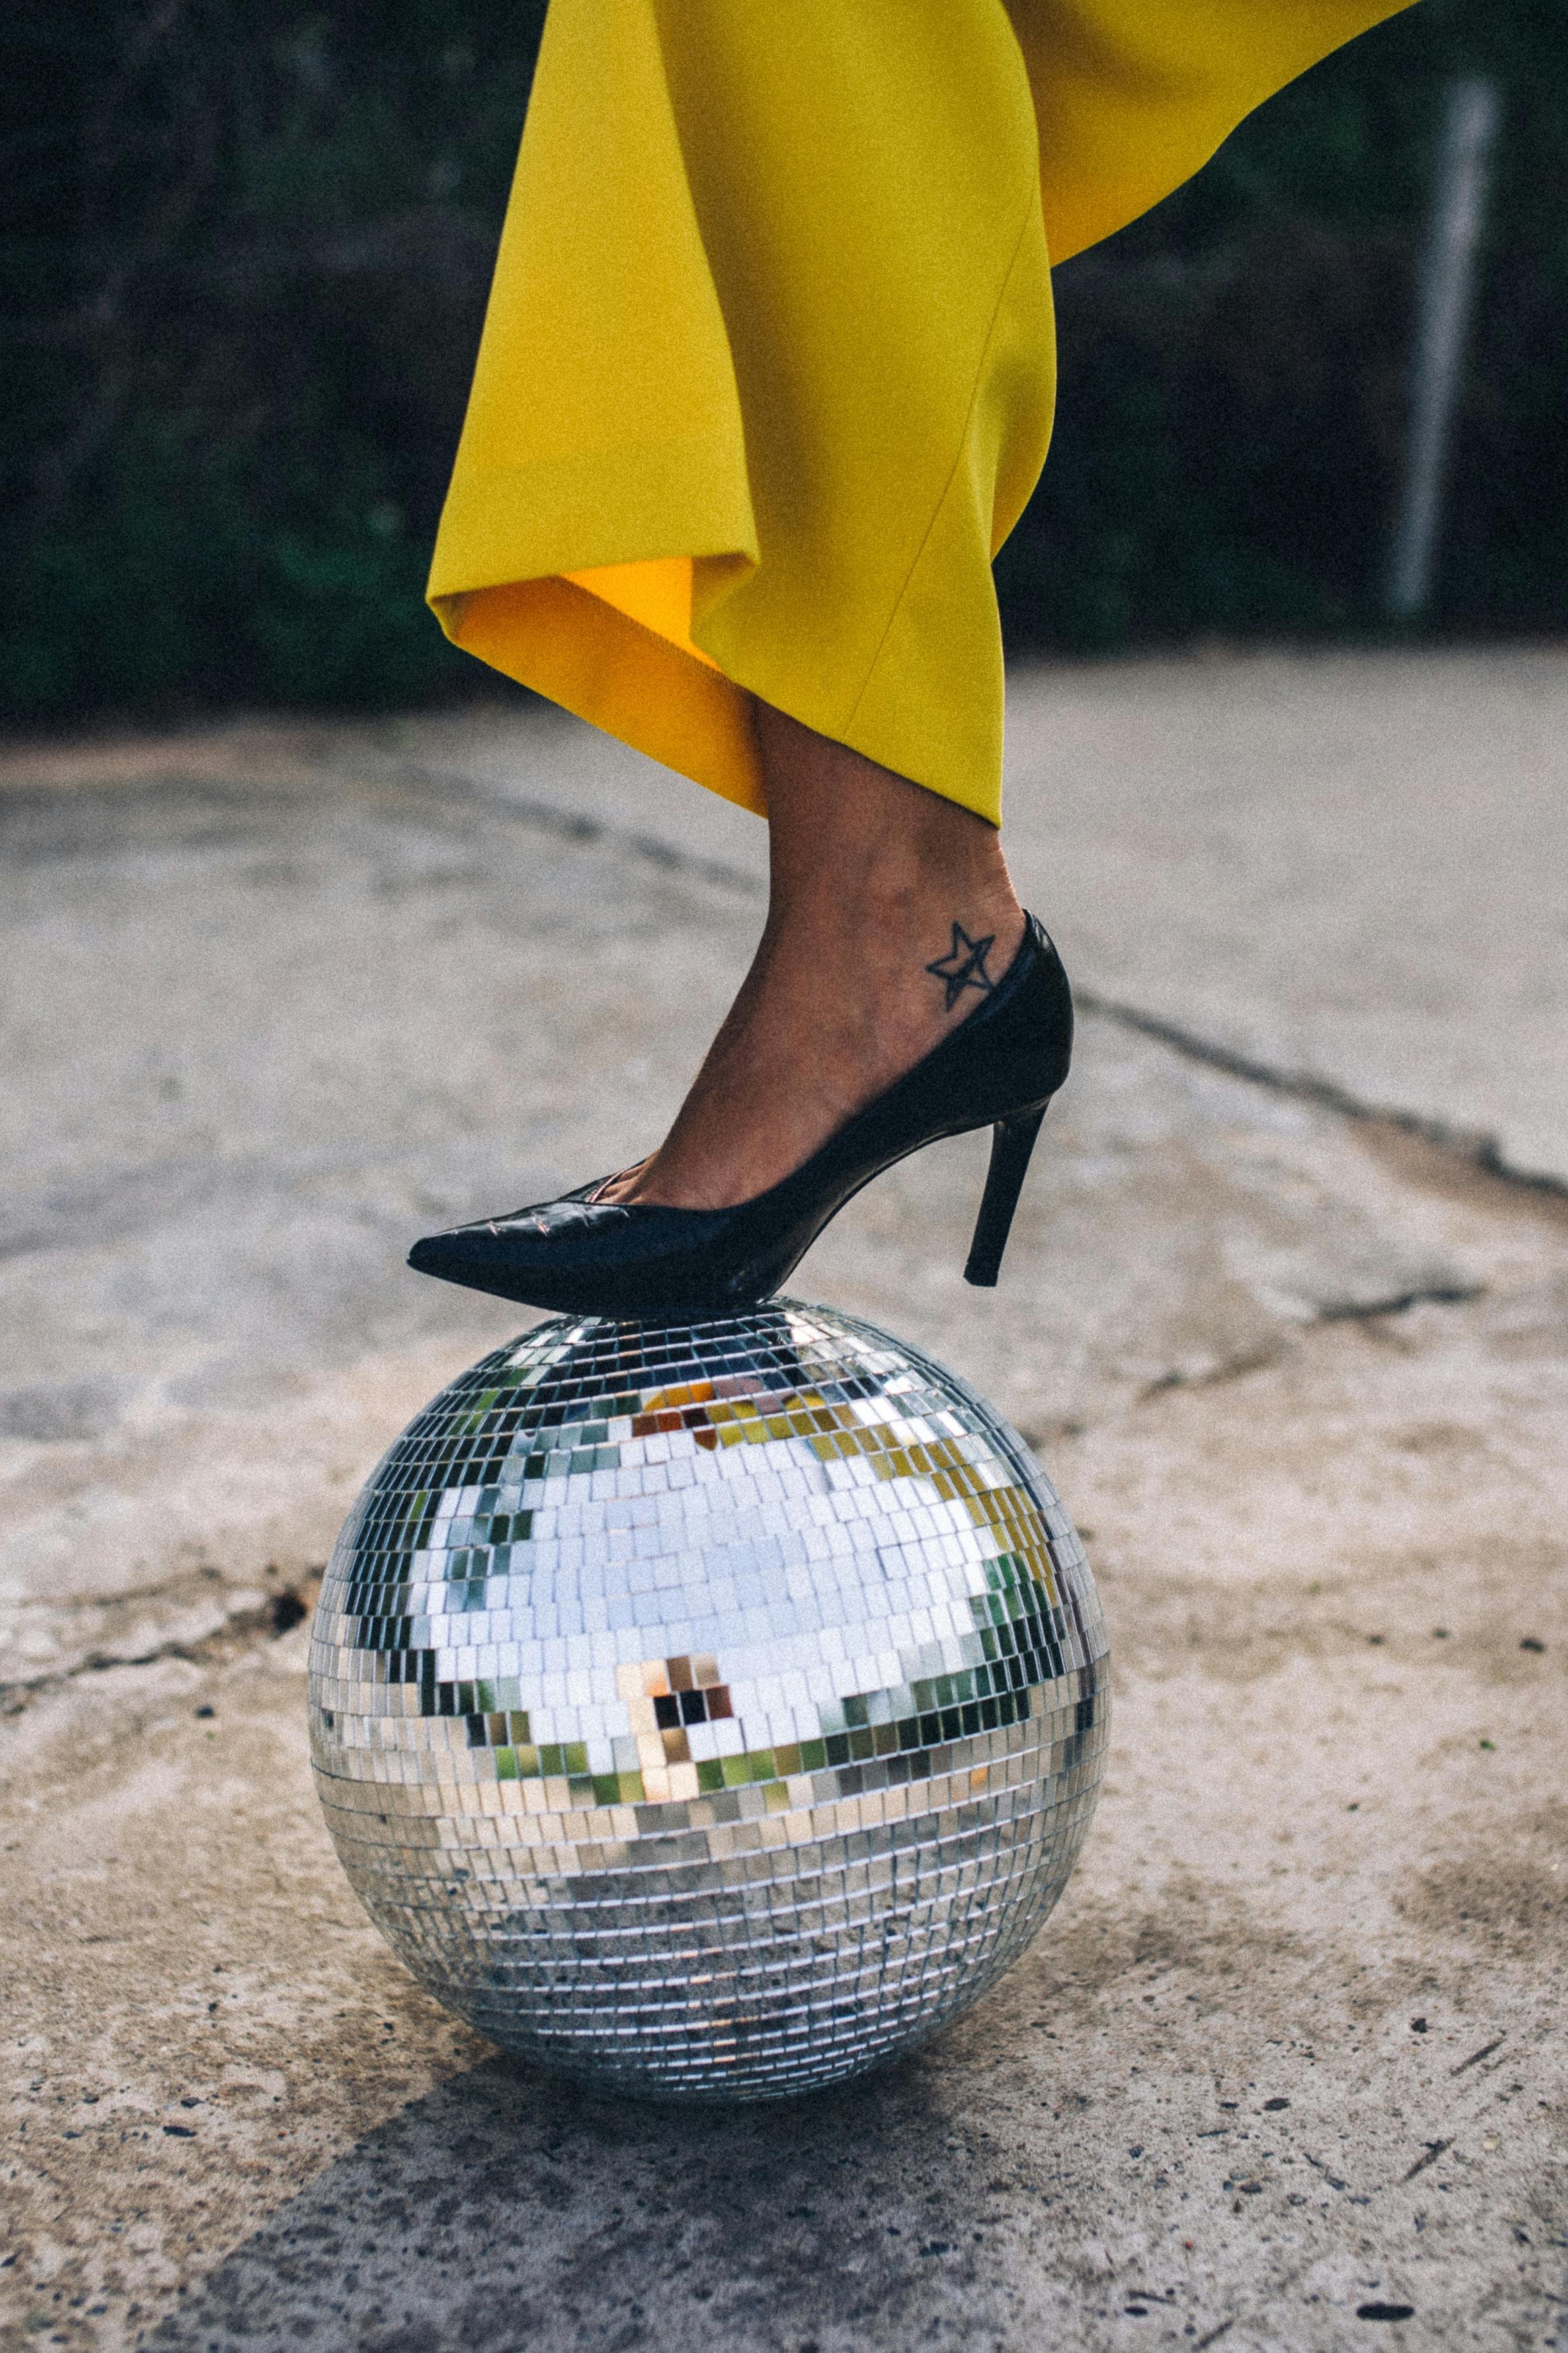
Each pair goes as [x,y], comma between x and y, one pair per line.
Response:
[768,368]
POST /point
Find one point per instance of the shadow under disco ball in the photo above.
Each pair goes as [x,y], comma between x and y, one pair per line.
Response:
[714,1709]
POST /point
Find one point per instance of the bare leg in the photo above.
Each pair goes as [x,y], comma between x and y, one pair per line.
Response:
[868,875]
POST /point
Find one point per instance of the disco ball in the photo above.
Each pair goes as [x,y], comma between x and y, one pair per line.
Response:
[712,1709]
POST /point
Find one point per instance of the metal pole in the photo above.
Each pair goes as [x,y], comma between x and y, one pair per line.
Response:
[1470,114]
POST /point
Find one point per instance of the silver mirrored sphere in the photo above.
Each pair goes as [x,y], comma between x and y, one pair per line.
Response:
[715,1709]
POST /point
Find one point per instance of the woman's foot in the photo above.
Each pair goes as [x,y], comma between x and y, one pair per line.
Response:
[891,918]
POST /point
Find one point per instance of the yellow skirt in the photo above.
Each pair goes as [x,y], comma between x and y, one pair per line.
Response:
[768,369]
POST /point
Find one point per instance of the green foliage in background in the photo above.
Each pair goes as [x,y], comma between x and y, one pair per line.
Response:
[244,253]
[1234,367]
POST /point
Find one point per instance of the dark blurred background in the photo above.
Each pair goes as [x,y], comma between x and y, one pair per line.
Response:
[246,246]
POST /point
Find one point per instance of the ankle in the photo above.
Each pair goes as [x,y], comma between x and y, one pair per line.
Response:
[898,887]
[848,835]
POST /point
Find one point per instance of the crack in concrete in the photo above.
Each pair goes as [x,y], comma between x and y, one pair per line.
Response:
[1234,1368]
[1473,1148]
[241,1629]
[1345,1311]
[1399,1303]
[565,825]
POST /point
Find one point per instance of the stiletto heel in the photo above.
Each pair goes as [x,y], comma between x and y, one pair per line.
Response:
[1012,1141]
[588,1256]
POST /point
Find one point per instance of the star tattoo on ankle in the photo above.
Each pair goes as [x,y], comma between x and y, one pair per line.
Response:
[963,966]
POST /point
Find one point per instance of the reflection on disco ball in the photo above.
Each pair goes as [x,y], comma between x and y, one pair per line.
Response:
[716,1708]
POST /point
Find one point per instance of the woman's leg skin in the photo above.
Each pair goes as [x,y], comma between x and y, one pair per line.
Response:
[873,881]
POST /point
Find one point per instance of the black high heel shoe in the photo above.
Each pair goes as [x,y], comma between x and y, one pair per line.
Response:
[586,1257]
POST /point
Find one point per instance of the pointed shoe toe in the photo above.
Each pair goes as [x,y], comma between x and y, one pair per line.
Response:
[584,1257]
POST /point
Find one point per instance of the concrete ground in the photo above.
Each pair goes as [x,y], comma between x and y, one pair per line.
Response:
[1286,1317]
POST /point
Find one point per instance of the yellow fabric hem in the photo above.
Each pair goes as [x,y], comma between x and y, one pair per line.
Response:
[627,504]
[590,657]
